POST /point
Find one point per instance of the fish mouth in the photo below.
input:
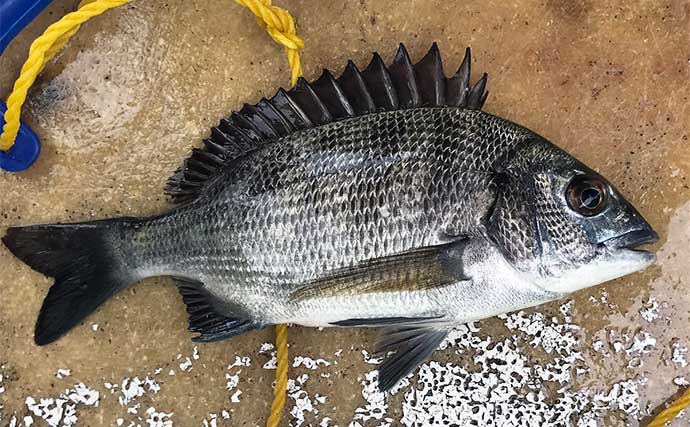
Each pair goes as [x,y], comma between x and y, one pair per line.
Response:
[632,239]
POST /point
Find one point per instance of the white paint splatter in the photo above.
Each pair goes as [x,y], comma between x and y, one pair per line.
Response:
[232,377]
[651,310]
[309,363]
[210,421]
[240,361]
[681,382]
[62,411]
[371,359]
[269,349]
[158,419]
[186,365]
[302,402]
[679,352]
[133,388]
[376,404]
[643,343]
[600,347]
[63,373]
[504,385]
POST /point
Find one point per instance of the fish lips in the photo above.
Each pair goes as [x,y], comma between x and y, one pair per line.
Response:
[632,240]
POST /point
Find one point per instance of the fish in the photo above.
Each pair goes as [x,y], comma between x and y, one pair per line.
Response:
[385,198]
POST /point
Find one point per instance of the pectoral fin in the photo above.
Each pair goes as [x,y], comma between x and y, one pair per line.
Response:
[417,270]
[412,346]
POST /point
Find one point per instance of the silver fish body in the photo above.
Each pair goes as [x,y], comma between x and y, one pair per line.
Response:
[330,198]
[383,198]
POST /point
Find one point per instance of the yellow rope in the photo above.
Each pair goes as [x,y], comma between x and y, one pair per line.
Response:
[281,377]
[42,50]
[281,27]
[672,411]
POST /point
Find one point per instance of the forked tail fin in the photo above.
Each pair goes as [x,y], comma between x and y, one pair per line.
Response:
[85,266]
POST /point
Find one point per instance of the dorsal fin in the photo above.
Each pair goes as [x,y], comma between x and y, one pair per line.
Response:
[458,86]
[258,123]
[313,107]
[333,96]
[402,74]
[402,85]
[430,78]
[378,81]
[356,90]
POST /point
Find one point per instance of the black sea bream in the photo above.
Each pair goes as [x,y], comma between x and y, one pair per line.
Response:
[381,198]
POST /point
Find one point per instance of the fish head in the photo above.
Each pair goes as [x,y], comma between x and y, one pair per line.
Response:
[563,225]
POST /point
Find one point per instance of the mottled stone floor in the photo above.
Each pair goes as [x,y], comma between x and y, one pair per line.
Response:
[139,86]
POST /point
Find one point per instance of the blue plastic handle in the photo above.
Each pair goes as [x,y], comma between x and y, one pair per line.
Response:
[15,15]
[25,150]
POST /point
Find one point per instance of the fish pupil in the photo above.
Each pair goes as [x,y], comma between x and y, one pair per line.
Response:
[590,197]
[586,195]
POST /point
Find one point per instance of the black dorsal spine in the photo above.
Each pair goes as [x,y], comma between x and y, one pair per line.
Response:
[403,76]
[313,107]
[292,112]
[430,78]
[402,85]
[280,124]
[261,125]
[356,90]
[477,96]
[458,86]
[329,91]
[380,85]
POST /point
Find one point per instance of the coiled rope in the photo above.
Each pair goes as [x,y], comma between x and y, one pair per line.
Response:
[280,25]
[42,50]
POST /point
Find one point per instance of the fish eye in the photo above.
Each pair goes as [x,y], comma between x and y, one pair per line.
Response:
[587,195]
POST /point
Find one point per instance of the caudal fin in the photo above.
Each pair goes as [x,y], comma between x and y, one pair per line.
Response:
[80,259]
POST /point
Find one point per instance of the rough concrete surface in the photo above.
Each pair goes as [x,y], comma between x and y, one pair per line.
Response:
[136,88]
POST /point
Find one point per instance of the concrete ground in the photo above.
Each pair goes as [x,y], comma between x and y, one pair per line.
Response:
[136,88]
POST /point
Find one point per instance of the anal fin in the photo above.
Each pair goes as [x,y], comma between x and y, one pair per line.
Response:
[412,346]
[205,318]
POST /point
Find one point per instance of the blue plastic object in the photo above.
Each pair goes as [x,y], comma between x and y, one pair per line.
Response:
[25,150]
[14,16]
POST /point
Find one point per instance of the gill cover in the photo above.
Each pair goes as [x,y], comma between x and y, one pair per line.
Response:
[563,224]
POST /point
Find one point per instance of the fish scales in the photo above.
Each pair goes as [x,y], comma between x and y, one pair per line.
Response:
[383,198]
[402,179]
